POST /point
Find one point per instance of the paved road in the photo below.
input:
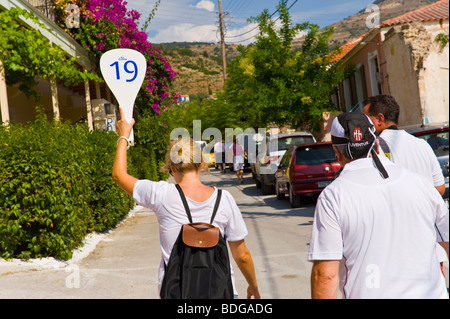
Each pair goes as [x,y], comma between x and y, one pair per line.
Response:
[278,239]
[124,263]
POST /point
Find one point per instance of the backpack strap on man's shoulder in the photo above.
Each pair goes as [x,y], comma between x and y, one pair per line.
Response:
[185,204]
[216,206]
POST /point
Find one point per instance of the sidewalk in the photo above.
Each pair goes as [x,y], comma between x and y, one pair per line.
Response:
[122,264]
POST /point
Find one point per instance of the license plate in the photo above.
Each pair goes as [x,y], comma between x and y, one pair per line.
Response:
[323,184]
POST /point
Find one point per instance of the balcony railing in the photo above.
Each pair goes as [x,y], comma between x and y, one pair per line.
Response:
[45,6]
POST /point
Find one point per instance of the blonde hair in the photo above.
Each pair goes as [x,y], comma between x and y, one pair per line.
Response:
[184,155]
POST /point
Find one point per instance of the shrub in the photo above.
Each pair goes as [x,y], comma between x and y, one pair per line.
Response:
[149,154]
[144,162]
[55,187]
[107,201]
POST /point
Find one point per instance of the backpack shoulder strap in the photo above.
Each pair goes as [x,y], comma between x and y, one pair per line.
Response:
[216,206]
[185,204]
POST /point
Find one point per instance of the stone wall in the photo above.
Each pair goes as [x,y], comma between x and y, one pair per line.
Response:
[416,77]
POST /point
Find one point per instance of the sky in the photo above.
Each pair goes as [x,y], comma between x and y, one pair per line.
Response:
[197,20]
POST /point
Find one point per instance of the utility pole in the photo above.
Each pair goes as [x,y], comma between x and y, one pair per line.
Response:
[222,41]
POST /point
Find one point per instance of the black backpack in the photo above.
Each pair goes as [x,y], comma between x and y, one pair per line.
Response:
[199,266]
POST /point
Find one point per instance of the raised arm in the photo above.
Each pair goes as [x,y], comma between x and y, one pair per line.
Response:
[119,173]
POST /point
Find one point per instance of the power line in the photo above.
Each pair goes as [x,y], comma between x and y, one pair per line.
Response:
[240,35]
[240,41]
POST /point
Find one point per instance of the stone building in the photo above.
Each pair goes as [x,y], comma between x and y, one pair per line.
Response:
[406,57]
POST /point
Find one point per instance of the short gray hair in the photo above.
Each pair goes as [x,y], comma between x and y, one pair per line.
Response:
[343,149]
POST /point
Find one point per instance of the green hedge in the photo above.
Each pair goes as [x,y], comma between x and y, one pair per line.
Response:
[55,188]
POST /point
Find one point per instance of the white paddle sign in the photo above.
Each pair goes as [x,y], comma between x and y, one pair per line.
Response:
[124,71]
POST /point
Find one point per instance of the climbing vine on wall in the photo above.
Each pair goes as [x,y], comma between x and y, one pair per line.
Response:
[27,55]
[442,39]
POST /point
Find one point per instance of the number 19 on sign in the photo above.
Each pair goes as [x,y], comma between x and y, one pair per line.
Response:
[133,71]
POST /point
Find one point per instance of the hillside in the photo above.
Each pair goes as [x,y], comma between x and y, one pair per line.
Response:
[199,64]
[355,25]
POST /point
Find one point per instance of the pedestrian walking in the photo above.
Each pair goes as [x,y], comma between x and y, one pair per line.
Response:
[219,155]
[238,160]
[376,226]
[165,200]
[403,148]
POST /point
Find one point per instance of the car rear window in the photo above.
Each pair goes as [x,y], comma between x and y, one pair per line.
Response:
[315,155]
[285,142]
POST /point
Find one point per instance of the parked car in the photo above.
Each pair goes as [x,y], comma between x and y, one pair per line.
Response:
[437,136]
[207,153]
[305,170]
[209,158]
[266,164]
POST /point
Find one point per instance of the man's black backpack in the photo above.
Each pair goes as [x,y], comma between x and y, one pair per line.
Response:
[199,266]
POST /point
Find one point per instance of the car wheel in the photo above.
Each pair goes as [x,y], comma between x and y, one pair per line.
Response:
[266,189]
[277,192]
[294,200]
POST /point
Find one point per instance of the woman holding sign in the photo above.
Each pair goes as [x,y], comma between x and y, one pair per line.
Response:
[164,199]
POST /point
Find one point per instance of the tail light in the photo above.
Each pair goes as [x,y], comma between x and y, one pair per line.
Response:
[297,175]
[271,159]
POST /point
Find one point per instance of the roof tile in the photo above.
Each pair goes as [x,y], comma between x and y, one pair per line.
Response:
[435,11]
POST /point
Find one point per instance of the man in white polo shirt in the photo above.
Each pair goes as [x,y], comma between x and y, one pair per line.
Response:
[376,226]
[401,147]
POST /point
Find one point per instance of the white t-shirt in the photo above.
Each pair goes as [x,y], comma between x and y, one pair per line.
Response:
[384,231]
[413,153]
[219,147]
[163,198]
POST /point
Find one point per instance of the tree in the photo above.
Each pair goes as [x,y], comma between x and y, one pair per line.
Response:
[272,83]
[212,113]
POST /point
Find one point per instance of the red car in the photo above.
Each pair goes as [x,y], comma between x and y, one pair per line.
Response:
[305,169]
